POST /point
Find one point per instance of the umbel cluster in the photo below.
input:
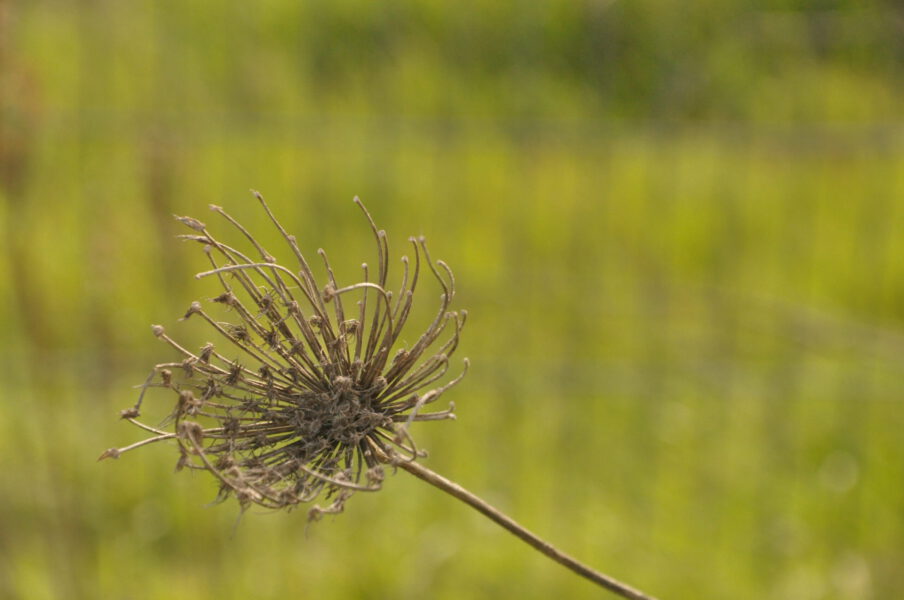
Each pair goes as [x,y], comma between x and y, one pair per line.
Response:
[307,390]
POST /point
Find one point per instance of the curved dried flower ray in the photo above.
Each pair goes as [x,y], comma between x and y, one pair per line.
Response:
[265,256]
[399,439]
[293,244]
[382,244]
[449,288]
[339,483]
[403,293]
[146,427]
[386,319]
[337,305]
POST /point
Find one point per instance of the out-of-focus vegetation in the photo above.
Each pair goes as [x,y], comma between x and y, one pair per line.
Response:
[677,227]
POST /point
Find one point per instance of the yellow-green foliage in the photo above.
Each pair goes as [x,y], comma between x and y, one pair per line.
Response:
[677,232]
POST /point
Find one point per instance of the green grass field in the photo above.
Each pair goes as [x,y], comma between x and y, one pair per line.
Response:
[686,336]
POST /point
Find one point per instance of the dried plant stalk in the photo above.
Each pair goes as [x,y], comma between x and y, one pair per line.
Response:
[322,394]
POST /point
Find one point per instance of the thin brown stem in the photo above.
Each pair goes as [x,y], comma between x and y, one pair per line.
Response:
[455,490]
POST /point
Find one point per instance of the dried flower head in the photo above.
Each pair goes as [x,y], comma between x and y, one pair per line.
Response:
[318,399]
[309,389]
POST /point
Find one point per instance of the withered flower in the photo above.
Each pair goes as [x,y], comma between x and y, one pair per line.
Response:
[309,389]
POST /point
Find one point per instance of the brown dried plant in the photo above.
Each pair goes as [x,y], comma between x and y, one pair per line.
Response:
[323,392]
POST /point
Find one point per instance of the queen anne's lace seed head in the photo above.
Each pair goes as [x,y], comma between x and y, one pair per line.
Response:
[309,389]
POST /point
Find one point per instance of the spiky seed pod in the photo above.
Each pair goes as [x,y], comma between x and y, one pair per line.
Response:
[312,387]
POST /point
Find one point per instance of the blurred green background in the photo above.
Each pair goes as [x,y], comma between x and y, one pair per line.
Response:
[676,226]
